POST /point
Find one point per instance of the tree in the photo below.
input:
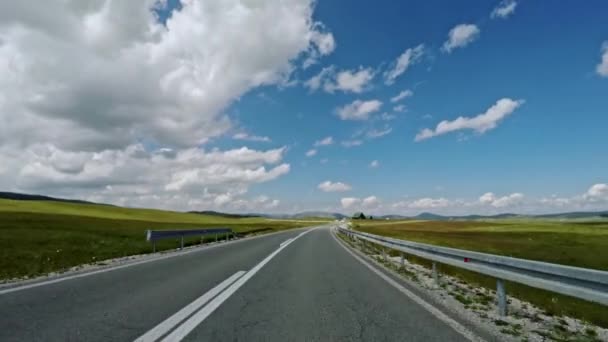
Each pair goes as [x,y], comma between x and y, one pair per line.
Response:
[359,216]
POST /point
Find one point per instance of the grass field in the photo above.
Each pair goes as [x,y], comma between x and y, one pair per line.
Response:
[575,243]
[38,237]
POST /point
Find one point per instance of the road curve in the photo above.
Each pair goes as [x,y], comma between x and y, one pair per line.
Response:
[282,287]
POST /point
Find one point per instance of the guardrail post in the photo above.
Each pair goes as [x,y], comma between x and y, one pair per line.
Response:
[216,237]
[402,261]
[435,274]
[181,245]
[384,254]
[501,296]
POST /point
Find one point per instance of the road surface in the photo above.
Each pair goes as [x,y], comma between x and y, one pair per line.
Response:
[299,285]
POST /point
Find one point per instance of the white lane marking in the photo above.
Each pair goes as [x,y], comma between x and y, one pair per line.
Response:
[464,331]
[168,324]
[114,268]
[183,330]
[284,242]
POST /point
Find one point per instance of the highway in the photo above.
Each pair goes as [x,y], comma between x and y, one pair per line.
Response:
[299,285]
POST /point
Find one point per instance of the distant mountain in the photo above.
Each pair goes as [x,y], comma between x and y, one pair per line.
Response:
[431,216]
[575,215]
[27,197]
[226,215]
[324,214]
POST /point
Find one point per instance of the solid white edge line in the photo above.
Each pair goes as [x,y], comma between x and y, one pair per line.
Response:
[169,323]
[183,330]
[118,267]
[464,331]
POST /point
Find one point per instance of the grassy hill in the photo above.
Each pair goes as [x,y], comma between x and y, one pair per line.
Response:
[574,242]
[38,237]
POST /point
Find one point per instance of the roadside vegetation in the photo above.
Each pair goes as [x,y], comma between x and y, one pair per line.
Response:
[569,242]
[39,237]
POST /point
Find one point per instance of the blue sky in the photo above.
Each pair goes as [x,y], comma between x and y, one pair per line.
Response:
[528,78]
[555,143]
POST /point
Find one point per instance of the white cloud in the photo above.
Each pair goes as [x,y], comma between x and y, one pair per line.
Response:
[349,202]
[368,203]
[359,110]
[377,133]
[387,117]
[323,43]
[112,76]
[374,164]
[248,137]
[135,177]
[352,143]
[429,203]
[480,123]
[353,81]
[350,81]
[311,152]
[324,142]
[501,202]
[602,68]
[597,192]
[399,108]
[329,186]
[461,36]
[504,9]
[402,95]
[316,81]
[408,57]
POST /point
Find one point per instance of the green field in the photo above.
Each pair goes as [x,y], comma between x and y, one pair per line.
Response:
[38,237]
[575,243]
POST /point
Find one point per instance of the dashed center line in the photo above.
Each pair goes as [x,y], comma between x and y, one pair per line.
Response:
[196,312]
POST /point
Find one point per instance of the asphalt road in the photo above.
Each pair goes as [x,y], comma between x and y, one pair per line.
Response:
[265,289]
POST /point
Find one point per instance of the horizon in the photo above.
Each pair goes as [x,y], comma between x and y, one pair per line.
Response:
[495,107]
[278,214]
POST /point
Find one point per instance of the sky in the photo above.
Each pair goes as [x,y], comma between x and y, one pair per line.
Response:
[452,107]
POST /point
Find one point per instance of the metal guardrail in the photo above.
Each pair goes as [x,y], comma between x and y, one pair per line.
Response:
[154,235]
[583,283]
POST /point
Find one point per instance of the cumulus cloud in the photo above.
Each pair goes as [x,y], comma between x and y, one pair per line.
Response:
[501,202]
[429,203]
[349,202]
[137,177]
[359,110]
[480,123]
[403,94]
[408,57]
[353,81]
[88,88]
[249,137]
[504,9]
[368,203]
[602,68]
[597,192]
[324,142]
[329,186]
[311,152]
[461,36]
[350,81]
[374,164]
[317,81]
[323,43]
